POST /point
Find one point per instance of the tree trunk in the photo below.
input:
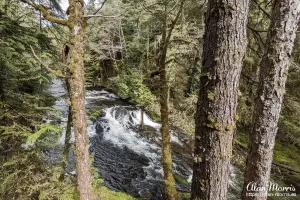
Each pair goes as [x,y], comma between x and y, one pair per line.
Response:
[223,52]
[77,92]
[142,119]
[273,74]
[65,154]
[169,181]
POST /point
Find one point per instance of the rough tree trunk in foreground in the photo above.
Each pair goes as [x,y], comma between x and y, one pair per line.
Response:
[273,74]
[77,92]
[223,52]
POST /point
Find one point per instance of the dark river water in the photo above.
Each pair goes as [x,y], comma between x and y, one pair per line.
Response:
[129,159]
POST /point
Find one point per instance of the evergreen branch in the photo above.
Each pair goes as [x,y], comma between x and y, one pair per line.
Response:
[49,17]
[55,73]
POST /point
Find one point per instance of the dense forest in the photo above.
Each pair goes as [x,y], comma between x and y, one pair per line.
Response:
[149,99]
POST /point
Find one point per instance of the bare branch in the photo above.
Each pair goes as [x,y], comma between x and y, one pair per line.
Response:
[100,7]
[55,73]
[175,21]
[260,8]
[104,16]
[255,30]
[95,13]
[257,34]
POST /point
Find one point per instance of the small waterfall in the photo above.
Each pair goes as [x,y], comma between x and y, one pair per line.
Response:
[128,159]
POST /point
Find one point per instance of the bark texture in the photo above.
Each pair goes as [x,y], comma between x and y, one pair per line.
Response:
[223,52]
[77,93]
[142,119]
[65,154]
[273,74]
[169,181]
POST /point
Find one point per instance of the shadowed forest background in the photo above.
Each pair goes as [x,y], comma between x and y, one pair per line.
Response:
[142,75]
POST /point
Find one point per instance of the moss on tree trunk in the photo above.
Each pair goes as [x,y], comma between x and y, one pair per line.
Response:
[77,93]
[169,181]
[65,154]
[273,74]
[223,52]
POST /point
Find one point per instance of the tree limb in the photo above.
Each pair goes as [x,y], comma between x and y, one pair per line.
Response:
[104,16]
[100,7]
[55,73]
[257,34]
[260,8]
[249,78]
[255,30]
[174,21]
[45,13]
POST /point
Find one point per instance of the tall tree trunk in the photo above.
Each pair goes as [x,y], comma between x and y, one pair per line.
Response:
[169,181]
[223,52]
[273,74]
[65,154]
[77,92]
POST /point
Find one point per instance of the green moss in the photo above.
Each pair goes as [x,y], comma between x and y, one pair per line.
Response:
[210,119]
[218,126]
[208,75]
[197,159]
[229,128]
[104,193]
[237,117]
[287,155]
[211,95]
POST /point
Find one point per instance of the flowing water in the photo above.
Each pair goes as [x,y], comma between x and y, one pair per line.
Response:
[129,159]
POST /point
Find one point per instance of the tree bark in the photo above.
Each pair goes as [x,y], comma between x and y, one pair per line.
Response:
[77,93]
[65,154]
[223,52]
[142,119]
[169,181]
[273,74]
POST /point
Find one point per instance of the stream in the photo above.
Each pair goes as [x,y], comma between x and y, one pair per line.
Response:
[129,160]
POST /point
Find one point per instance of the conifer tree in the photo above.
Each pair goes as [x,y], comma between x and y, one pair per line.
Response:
[273,75]
[223,52]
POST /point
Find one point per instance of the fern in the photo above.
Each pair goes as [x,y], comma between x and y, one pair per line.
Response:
[32,138]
